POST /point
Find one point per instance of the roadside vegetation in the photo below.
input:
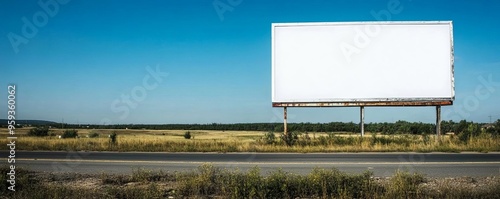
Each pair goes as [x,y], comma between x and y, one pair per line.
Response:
[38,131]
[410,137]
[211,182]
[70,134]
[471,139]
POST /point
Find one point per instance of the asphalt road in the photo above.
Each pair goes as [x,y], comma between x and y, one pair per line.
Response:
[382,164]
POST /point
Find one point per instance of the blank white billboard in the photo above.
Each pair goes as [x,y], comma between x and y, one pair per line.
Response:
[362,62]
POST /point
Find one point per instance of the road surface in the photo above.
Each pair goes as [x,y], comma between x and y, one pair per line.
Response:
[382,164]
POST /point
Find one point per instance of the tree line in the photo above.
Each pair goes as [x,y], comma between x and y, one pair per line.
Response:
[399,127]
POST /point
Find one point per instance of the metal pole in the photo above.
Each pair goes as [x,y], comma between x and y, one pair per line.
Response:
[284,122]
[362,120]
[438,121]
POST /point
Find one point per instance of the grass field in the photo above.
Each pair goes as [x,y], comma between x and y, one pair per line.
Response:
[248,141]
[210,182]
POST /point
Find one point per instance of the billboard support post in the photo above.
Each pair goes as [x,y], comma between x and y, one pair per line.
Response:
[438,121]
[284,121]
[362,120]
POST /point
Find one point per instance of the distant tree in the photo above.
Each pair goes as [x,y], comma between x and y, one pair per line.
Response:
[447,126]
[70,134]
[278,128]
[187,135]
[472,130]
[39,131]
[93,134]
[461,126]
[495,130]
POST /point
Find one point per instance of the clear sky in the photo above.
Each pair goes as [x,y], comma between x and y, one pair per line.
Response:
[188,61]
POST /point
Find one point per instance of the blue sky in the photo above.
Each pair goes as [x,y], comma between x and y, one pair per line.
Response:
[86,58]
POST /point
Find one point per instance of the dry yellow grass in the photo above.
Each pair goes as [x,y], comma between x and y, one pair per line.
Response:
[245,141]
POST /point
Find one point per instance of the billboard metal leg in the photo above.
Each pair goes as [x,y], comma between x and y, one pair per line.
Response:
[438,121]
[284,121]
[362,120]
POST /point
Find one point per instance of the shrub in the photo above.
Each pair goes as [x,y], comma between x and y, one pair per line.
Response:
[70,134]
[290,138]
[269,137]
[144,175]
[472,130]
[93,134]
[405,184]
[323,140]
[375,139]
[39,131]
[426,138]
[23,181]
[320,183]
[113,138]
[187,135]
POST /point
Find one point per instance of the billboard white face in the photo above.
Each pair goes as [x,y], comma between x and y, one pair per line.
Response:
[362,62]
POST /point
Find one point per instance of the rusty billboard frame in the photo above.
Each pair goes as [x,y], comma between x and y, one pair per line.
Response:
[360,103]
